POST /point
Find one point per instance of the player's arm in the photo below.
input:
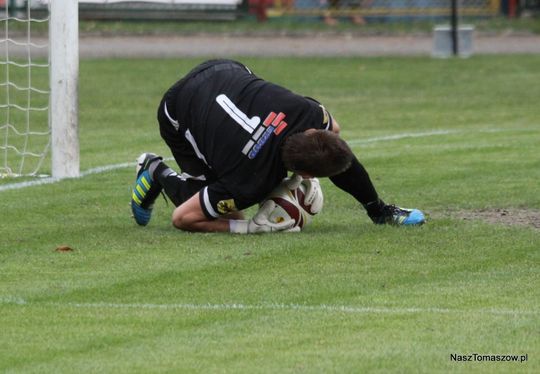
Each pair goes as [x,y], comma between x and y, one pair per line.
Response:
[335,126]
[190,216]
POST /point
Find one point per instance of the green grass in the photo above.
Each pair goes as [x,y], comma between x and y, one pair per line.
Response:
[344,296]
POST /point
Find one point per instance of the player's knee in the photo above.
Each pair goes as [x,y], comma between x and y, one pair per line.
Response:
[181,222]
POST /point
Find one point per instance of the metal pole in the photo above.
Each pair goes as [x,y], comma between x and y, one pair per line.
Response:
[64,82]
[454,22]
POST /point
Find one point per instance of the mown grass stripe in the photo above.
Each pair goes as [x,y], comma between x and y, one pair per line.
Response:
[279,307]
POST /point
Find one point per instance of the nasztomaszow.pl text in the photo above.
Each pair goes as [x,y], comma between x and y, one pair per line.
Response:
[477,357]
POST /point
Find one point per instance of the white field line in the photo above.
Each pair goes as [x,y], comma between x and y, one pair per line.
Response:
[324,308]
[50,180]
[424,134]
[401,136]
[352,143]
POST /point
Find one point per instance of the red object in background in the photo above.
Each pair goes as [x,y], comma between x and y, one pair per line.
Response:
[258,7]
[512,8]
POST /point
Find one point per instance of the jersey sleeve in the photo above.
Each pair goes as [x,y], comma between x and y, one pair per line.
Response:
[324,119]
[328,122]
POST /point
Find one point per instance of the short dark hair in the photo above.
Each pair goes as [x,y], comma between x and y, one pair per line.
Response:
[318,153]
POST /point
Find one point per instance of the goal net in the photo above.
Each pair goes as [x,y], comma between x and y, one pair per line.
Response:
[38,88]
[24,92]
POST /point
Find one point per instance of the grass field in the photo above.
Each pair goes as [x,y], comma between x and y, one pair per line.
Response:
[344,296]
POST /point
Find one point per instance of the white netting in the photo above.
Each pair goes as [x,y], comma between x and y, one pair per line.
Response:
[24,90]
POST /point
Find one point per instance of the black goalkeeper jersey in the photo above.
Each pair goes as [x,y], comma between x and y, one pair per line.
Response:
[236,123]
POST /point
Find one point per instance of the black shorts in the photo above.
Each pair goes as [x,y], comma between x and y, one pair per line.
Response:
[194,171]
[181,149]
[174,133]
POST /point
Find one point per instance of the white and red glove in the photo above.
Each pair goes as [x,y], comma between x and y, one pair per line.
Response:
[293,182]
[313,198]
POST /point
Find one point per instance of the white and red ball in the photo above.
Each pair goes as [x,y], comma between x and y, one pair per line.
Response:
[290,204]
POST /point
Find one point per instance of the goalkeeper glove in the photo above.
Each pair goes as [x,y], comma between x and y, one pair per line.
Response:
[314,197]
[293,182]
[260,223]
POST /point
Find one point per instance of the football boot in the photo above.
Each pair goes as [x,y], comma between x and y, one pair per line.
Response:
[396,216]
[146,189]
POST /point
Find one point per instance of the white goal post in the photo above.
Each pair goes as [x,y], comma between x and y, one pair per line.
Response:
[64,82]
[39,77]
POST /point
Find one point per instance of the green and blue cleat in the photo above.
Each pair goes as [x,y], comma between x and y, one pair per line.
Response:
[396,216]
[146,190]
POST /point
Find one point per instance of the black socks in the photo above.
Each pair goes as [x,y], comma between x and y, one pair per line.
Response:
[355,181]
[174,186]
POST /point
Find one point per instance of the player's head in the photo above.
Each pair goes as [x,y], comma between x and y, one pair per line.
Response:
[318,153]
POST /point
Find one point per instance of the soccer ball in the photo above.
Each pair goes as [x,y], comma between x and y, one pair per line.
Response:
[291,204]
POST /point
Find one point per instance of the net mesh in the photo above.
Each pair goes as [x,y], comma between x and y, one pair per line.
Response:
[24,91]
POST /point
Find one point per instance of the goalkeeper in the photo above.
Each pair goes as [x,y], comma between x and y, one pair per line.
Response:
[235,137]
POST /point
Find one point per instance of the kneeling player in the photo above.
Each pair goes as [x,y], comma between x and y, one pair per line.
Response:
[235,136]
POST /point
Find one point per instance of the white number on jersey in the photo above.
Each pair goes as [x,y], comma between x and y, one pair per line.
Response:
[248,124]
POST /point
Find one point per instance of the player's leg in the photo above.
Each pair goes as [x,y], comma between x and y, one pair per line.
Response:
[356,181]
[189,216]
[154,176]
[179,187]
[195,173]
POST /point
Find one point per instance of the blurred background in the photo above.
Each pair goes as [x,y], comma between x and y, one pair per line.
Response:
[292,16]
